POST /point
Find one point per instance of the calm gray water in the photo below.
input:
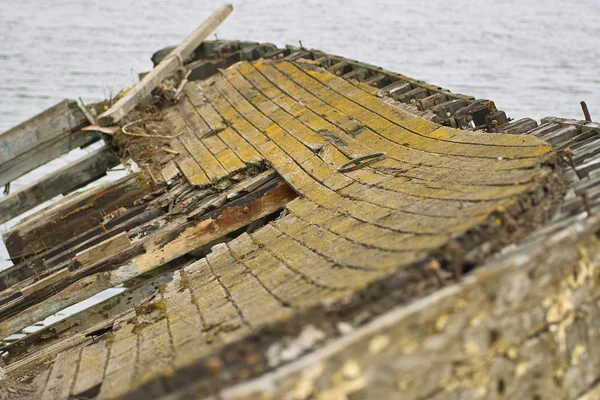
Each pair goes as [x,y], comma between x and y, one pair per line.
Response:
[533,58]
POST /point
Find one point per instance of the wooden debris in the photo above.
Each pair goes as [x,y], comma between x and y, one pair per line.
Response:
[273,253]
[45,282]
[105,249]
[166,67]
[76,214]
[63,181]
[42,138]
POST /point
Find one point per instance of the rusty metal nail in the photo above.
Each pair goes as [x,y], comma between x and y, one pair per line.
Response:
[586,112]
[245,209]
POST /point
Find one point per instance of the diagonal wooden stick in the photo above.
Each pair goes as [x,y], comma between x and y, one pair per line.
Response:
[166,67]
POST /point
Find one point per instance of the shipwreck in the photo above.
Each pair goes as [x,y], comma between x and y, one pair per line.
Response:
[298,225]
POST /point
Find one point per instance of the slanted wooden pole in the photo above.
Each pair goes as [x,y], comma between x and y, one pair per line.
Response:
[166,67]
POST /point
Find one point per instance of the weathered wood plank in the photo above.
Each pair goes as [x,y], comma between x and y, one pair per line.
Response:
[165,68]
[37,157]
[82,321]
[47,125]
[66,179]
[41,139]
[42,263]
[91,367]
[75,215]
[121,364]
[185,324]
[159,250]
[257,304]
[104,249]
[45,282]
[62,375]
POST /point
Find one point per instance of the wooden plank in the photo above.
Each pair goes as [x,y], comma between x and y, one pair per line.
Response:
[62,375]
[169,171]
[104,249]
[481,156]
[159,250]
[165,68]
[65,180]
[311,266]
[185,324]
[246,153]
[44,262]
[155,354]
[57,120]
[45,282]
[230,161]
[91,367]
[383,118]
[289,134]
[83,320]
[265,200]
[37,157]
[121,363]
[341,250]
[257,305]
[290,287]
[194,146]
[337,128]
[75,215]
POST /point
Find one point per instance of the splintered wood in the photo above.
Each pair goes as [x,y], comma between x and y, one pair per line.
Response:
[298,250]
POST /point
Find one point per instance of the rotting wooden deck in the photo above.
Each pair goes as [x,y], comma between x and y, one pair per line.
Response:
[223,284]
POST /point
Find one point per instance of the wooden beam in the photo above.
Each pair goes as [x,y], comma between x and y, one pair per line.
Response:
[74,215]
[103,249]
[65,180]
[45,282]
[45,262]
[165,68]
[42,138]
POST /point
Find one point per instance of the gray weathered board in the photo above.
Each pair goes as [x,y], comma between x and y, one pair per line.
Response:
[42,138]
[74,175]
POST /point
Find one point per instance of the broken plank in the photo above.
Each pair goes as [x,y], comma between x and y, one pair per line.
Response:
[106,248]
[165,68]
[45,282]
[66,179]
[158,252]
[75,215]
[44,153]
[81,321]
[46,126]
